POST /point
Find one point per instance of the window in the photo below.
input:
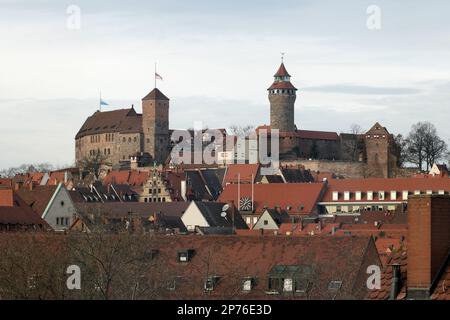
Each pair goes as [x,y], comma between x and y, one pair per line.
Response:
[255,219]
[287,285]
[346,195]
[335,195]
[266,222]
[62,203]
[393,195]
[441,192]
[247,284]
[334,285]
[417,192]
[370,195]
[57,221]
[185,256]
[405,195]
[210,283]
[429,191]
[381,195]
[358,195]
[248,220]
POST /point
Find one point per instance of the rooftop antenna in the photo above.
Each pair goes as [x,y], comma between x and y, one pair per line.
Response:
[282,56]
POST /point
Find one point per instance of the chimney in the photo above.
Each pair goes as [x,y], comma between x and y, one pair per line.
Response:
[6,198]
[428,242]
[396,281]
[133,163]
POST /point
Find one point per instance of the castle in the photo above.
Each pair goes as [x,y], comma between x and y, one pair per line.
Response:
[123,135]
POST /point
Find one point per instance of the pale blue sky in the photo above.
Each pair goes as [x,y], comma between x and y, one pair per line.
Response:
[217,59]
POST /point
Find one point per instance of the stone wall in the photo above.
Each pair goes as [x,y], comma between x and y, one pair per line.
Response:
[346,169]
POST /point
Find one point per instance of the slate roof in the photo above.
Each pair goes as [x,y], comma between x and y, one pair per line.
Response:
[211,211]
[296,175]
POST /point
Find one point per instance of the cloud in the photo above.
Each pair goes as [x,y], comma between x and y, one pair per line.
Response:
[362,90]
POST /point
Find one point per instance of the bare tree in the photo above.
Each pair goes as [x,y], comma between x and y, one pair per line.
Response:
[424,146]
[401,146]
[94,163]
[241,131]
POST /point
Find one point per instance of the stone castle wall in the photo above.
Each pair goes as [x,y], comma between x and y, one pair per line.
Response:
[347,169]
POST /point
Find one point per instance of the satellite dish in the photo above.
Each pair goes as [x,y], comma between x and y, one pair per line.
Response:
[223,214]
[225,207]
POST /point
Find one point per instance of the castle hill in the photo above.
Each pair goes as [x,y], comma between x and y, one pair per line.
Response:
[224,157]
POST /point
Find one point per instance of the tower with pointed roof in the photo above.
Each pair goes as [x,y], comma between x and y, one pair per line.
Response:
[282,96]
[155,125]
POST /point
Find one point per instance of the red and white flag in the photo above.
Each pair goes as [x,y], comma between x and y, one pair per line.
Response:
[157,76]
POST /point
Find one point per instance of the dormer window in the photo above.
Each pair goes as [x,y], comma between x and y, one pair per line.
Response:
[335,196]
[358,195]
[393,195]
[287,285]
[185,256]
[247,284]
[417,192]
[405,195]
[346,195]
[441,192]
[429,191]
[381,195]
[370,195]
[210,283]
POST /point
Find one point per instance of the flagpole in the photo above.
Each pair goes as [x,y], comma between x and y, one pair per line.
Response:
[155,75]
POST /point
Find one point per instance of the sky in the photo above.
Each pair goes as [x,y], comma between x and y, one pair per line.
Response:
[351,64]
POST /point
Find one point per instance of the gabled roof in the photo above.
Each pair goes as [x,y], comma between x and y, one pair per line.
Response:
[243,171]
[38,198]
[235,258]
[301,198]
[377,129]
[21,214]
[155,94]
[211,211]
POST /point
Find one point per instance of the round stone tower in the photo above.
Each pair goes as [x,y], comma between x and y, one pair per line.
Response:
[282,95]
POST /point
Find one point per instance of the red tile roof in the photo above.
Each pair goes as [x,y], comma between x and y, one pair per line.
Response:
[155,94]
[317,135]
[300,197]
[122,120]
[38,198]
[282,72]
[130,177]
[245,172]
[21,214]
[304,134]
[282,85]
